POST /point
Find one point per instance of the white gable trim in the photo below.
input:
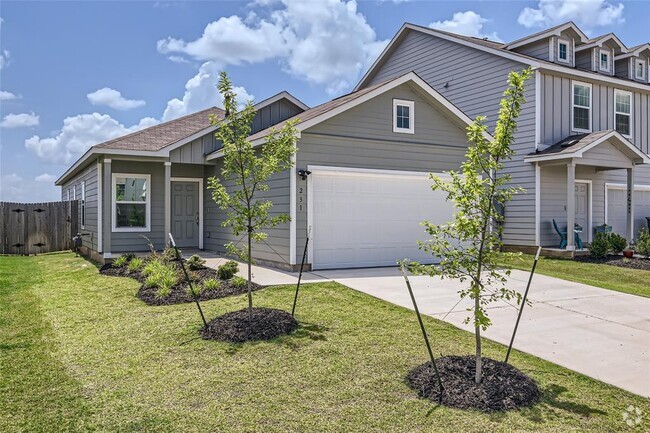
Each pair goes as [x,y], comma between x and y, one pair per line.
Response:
[552,32]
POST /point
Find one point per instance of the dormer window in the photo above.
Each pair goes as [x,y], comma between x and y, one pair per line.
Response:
[639,70]
[604,60]
[403,116]
[563,50]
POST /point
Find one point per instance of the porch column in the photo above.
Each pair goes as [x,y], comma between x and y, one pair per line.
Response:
[630,204]
[570,205]
[168,200]
[107,207]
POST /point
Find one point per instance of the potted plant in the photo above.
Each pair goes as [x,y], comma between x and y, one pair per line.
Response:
[628,252]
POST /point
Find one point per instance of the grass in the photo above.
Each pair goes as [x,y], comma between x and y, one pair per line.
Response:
[79,352]
[625,280]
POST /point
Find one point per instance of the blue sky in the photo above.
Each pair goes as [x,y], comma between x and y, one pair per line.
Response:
[73,74]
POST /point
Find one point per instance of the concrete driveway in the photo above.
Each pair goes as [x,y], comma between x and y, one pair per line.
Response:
[600,333]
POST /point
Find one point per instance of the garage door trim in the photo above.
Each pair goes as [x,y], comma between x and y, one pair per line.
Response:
[324,169]
[609,185]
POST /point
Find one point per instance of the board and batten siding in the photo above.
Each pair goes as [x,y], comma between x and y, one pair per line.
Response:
[363,137]
[556,94]
[276,247]
[89,230]
[474,81]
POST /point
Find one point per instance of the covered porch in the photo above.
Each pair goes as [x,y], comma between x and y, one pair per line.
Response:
[575,189]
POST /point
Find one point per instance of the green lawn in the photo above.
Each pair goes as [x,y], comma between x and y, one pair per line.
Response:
[633,281]
[79,352]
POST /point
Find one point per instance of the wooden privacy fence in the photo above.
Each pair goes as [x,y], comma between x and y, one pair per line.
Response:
[35,228]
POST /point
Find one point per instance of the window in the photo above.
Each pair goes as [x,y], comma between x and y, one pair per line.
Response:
[69,194]
[604,60]
[581,107]
[74,192]
[131,202]
[403,116]
[639,70]
[563,50]
[623,112]
[83,204]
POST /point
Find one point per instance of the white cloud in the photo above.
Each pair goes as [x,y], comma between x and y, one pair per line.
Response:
[5,56]
[467,23]
[45,178]
[113,99]
[179,59]
[8,96]
[78,134]
[325,42]
[13,188]
[21,120]
[585,13]
[201,93]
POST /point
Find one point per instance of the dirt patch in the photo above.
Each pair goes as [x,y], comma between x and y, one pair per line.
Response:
[179,293]
[503,387]
[238,327]
[620,261]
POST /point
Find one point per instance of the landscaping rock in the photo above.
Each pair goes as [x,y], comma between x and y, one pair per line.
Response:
[237,327]
[503,387]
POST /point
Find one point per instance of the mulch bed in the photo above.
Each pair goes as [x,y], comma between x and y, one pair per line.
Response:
[237,327]
[179,293]
[502,388]
[620,261]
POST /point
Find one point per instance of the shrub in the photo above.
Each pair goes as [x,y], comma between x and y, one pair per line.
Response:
[227,270]
[161,276]
[211,284]
[239,282]
[123,260]
[169,254]
[152,267]
[195,262]
[617,243]
[643,243]
[136,264]
[195,290]
[600,245]
[165,284]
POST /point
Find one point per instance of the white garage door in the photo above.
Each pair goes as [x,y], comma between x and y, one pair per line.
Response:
[617,208]
[371,218]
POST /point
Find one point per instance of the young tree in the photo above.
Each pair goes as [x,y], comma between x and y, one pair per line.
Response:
[468,247]
[248,169]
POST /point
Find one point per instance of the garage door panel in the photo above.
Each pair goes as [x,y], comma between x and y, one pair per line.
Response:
[367,219]
[617,209]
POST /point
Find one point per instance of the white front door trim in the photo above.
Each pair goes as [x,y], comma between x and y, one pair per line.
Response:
[198,180]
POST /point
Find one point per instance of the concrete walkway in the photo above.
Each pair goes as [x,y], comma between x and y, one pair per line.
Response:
[600,333]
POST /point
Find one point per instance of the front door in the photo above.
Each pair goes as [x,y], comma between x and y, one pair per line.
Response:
[185,214]
[582,208]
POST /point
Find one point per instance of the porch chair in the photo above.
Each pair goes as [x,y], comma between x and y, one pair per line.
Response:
[563,236]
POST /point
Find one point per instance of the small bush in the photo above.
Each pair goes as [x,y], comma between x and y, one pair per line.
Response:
[239,282]
[227,270]
[195,262]
[136,264]
[211,284]
[195,290]
[165,284]
[151,267]
[643,243]
[161,276]
[123,260]
[169,254]
[617,243]
[600,245]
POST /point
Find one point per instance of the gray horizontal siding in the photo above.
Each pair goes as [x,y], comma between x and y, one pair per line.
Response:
[584,59]
[474,81]
[538,49]
[89,175]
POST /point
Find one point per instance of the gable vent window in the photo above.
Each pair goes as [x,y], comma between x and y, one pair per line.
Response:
[623,112]
[639,70]
[563,51]
[581,107]
[403,116]
[604,60]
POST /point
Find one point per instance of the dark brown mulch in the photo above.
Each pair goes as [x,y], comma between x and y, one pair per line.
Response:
[620,261]
[502,388]
[237,327]
[179,293]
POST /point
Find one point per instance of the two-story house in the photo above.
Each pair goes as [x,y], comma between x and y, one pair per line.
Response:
[360,186]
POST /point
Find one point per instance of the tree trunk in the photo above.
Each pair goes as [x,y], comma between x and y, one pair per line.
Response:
[477,333]
[250,286]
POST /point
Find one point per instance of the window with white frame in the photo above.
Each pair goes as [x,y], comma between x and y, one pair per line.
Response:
[563,50]
[623,112]
[131,202]
[83,204]
[639,70]
[604,60]
[581,107]
[403,116]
